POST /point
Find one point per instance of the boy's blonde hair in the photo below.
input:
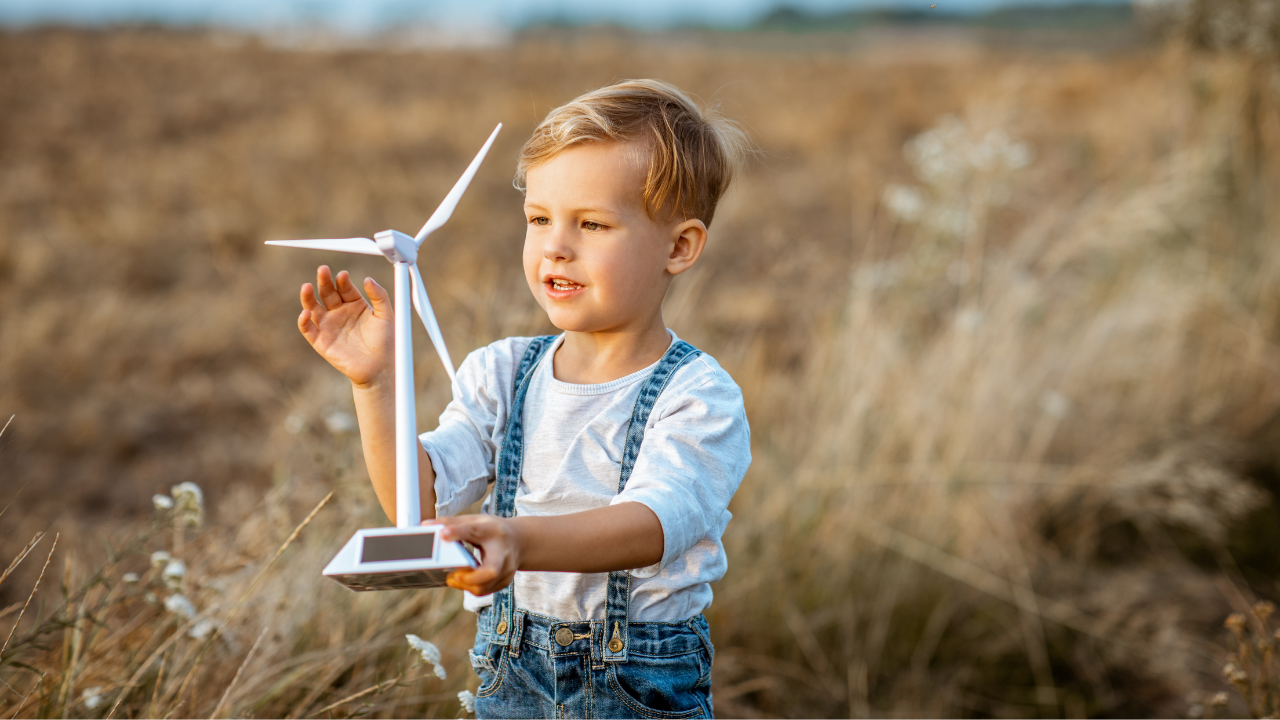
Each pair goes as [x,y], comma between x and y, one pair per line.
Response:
[692,153]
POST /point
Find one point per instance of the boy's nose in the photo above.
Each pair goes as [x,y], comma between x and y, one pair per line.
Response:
[556,248]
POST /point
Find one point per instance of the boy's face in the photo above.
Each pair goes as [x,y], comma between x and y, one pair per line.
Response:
[594,259]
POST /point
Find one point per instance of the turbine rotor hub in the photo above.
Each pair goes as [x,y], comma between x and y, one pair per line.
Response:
[397,246]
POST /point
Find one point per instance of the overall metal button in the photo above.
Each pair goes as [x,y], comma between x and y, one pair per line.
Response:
[502,627]
[615,645]
[564,636]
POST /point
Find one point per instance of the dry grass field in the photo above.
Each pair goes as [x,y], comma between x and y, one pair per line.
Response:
[1006,322]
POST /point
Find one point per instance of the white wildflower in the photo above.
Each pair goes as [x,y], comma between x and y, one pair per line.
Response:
[180,605]
[92,697]
[340,422]
[941,155]
[1017,156]
[468,700]
[162,502]
[956,221]
[295,423]
[430,653]
[189,502]
[151,598]
[982,155]
[160,558]
[173,574]
[969,319]
[906,203]
[950,156]
[130,578]
[1054,404]
[202,628]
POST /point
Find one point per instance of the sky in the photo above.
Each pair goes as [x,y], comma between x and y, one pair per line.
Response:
[374,15]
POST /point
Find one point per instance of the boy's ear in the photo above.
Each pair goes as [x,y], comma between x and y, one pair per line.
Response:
[689,238]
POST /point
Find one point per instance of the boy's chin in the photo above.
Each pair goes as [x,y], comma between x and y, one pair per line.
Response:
[571,326]
[575,322]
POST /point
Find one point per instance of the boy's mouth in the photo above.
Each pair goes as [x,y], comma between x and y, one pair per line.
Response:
[561,287]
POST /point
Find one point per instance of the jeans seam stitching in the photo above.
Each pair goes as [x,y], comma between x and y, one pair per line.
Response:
[673,655]
[586,672]
[502,674]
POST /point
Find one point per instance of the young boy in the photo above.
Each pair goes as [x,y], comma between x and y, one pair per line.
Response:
[614,448]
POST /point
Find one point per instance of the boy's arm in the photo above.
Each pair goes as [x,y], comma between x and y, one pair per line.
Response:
[692,462]
[376,413]
[357,338]
[625,535]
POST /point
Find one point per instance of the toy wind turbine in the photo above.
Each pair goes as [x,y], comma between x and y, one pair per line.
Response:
[409,555]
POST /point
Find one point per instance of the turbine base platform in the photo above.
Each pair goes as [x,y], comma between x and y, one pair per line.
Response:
[398,559]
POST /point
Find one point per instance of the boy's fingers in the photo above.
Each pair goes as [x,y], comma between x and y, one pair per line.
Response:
[473,577]
[459,580]
[477,582]
[346,290]
[474,529]
[312,303]
[307,327]
[326,289]
[378,298]
[453,530]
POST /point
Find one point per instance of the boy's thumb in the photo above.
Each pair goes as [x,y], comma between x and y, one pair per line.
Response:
[378,297]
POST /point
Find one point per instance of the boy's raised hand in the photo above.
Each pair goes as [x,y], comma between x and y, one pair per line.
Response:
[356,337]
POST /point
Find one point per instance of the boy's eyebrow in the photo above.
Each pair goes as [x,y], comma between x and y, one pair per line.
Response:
[575,211]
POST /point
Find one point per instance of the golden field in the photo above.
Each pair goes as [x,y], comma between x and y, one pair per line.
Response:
[1005,319]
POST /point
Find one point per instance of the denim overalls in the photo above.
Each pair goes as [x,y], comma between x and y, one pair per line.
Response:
[534,666]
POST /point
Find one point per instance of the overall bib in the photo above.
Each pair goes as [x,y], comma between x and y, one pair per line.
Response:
[534,666]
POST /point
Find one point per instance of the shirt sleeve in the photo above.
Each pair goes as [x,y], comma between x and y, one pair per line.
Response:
[464,445]
[693,458]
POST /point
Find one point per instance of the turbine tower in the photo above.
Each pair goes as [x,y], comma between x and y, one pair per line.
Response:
[402,251]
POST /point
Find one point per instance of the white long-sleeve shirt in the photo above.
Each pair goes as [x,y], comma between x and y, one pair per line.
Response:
[696,449]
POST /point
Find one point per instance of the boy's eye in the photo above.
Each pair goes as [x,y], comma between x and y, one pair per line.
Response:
[539,221]
[592,226]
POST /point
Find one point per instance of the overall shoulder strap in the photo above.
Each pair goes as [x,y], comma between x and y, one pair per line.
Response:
[618,601]
[677,355]
[511,454]
[510,462]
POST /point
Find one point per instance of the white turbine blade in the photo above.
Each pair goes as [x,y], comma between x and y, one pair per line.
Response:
[442,213]
[423,305]
[363,246]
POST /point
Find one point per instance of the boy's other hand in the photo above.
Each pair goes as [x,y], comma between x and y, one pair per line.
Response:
[356,337]
[499,551]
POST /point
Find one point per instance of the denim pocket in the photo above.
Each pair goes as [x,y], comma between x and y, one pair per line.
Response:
[489,662]
[662,687]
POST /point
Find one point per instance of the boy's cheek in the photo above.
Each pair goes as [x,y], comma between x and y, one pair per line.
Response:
[535,287]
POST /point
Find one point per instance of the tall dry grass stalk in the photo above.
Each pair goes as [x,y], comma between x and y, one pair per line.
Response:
[1006,326]
[1253,669]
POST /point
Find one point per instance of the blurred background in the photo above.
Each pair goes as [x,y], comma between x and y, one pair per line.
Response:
[1001,289]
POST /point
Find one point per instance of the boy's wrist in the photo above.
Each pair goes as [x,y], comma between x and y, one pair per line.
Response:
[379,383]
[515,540]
